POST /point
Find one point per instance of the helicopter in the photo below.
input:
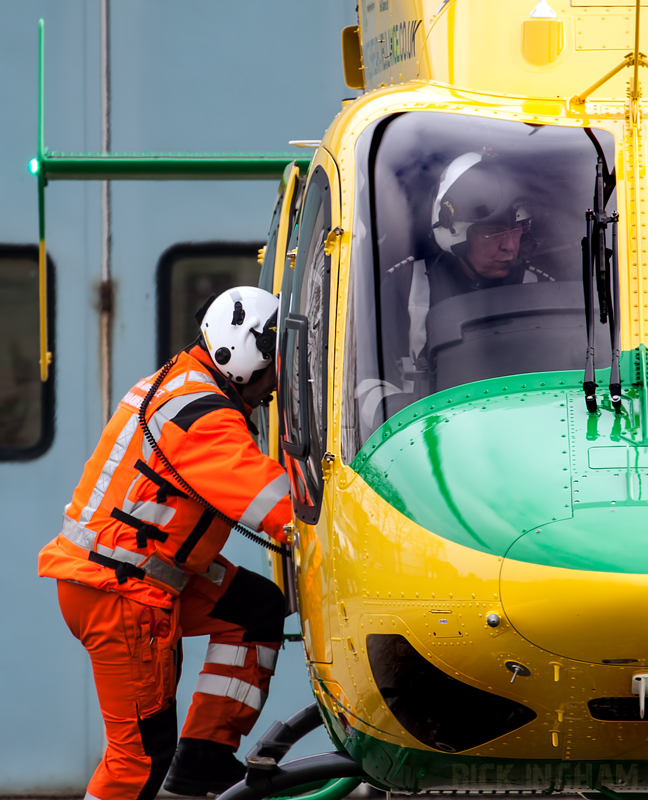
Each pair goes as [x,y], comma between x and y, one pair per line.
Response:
[468,454]
[463,404]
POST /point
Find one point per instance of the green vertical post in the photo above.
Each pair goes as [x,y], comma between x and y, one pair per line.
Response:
[45,355]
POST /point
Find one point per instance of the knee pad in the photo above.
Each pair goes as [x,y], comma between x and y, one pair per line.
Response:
[256,604]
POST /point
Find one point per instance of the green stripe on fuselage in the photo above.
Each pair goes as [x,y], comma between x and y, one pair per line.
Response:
[392,766]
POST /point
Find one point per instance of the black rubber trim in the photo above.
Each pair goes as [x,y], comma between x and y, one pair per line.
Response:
[256,604]
[192,412]
[159,737]
[615,709]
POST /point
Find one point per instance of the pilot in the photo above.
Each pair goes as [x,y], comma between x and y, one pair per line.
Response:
[138,558]
[480,221]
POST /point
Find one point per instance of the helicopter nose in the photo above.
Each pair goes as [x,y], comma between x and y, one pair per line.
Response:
[578,587]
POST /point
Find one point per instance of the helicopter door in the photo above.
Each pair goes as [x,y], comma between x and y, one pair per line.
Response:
[284,216]
[307,305]
[283,219]
[274,258]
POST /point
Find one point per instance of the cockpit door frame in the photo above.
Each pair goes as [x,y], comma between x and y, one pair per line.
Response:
[314,537]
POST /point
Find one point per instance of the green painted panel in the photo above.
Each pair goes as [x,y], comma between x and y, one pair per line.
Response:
[602,538]
[479,464]
[484,463]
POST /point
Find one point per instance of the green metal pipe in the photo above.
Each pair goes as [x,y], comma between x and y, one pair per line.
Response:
[41,89]
[167,167]
[333,790]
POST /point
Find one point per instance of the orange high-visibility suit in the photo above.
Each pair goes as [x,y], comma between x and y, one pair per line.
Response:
[138,567]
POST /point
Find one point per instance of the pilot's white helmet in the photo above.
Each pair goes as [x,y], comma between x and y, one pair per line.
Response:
[475,189]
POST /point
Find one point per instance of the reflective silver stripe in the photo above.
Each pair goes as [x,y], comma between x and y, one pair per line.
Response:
[231,687]
[155,513]
[176,383]
[201,377]
[121,554]
[267,657]
[228,654]
[89,796]
[164,414]
[265,501]
[192,375]
[170,576]
[216,573]
[155,568]
[128,505]
[77,534]
[103,482]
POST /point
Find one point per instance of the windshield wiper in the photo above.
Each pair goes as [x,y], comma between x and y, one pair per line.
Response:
[601,265]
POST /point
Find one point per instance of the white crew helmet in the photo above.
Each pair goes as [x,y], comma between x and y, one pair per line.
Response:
[475,189]
[240,331]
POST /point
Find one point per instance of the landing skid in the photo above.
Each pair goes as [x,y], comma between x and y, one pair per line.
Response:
[265,777]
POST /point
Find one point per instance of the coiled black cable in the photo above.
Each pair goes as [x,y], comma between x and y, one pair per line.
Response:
[276,548]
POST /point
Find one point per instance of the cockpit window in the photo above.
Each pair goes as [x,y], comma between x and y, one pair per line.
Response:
[466,258]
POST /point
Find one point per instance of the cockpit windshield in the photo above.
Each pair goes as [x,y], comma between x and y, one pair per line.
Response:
[466,257]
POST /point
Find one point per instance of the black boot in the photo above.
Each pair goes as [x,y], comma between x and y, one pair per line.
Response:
[200,766]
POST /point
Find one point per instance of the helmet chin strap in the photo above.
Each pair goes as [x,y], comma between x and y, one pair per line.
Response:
[477,277]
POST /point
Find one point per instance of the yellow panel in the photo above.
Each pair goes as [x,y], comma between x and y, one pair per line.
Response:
[604,32]
[589,616]
[464,44]
[444,625]
[352,58]
[558,688]
[543,40]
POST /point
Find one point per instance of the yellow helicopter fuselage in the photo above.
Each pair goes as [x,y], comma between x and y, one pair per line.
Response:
[470,568]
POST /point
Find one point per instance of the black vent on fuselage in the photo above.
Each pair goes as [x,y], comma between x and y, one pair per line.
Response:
[440,711]
[622,709]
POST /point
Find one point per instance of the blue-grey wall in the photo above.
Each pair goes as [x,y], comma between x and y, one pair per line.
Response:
[192,75]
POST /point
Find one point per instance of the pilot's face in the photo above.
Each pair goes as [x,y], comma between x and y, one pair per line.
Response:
[492,248]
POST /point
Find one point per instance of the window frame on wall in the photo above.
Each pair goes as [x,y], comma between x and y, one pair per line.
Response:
[168,259]
[29,252]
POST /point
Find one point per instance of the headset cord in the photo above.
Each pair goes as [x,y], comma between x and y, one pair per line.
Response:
[276,548]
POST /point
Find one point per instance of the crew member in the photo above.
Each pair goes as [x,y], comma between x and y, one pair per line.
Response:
[138,558]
